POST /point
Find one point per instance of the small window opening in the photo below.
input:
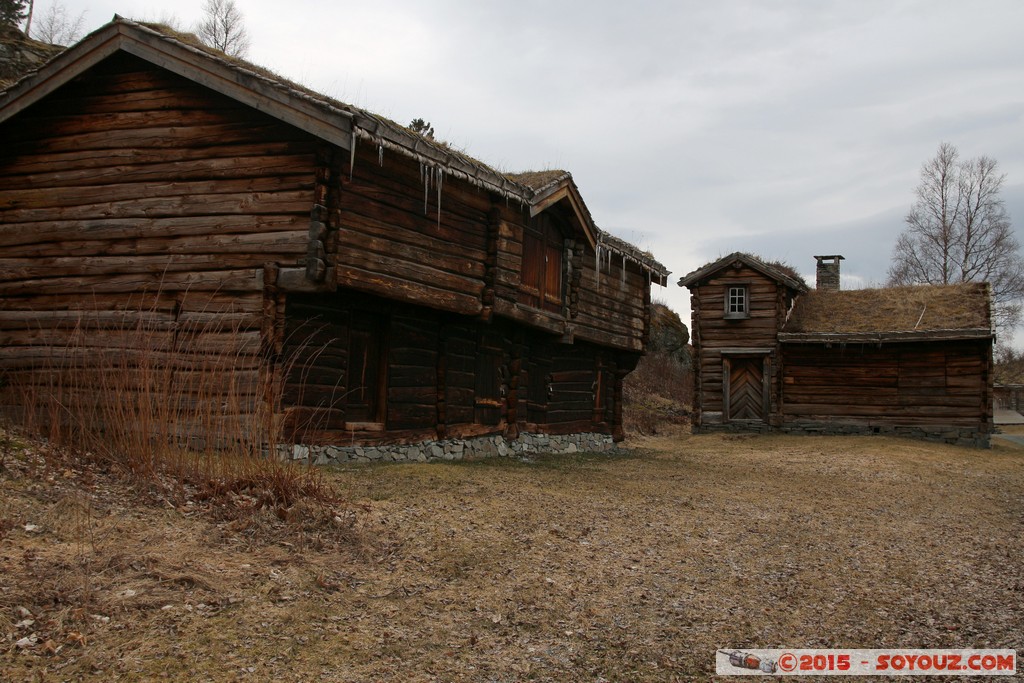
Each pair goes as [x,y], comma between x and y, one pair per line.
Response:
[736,302]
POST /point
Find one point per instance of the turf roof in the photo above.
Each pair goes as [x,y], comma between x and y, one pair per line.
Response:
[959,308]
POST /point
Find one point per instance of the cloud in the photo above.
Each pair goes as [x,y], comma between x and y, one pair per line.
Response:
[785,128]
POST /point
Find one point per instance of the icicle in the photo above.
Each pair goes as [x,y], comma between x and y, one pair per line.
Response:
[440,180]
[352,158]
[425,179]
[380,154]
[597,265]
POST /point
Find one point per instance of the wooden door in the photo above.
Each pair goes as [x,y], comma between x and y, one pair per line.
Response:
[367,369]
[746,389]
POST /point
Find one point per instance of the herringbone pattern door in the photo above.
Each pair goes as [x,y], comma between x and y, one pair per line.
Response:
[746,389]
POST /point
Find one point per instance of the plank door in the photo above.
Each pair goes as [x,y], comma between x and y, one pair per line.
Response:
[746,388]
[367,369]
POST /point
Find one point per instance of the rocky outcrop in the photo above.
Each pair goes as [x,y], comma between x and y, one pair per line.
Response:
[20,55]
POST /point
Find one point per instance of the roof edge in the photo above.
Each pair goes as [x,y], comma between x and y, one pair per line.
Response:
[751,261]
[883,337]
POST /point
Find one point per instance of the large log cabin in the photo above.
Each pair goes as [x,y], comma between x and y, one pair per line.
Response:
[771,354]
[377,287]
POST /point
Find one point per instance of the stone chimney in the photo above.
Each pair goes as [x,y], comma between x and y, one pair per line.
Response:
[828,272]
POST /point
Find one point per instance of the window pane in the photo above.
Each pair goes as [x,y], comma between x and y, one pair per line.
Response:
[737,300]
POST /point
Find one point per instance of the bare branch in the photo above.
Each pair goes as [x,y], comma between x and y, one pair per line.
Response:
[958,230]
[223,28]
[57,28]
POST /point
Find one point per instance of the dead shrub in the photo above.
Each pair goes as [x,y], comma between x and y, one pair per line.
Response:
[184,408]
[658,394]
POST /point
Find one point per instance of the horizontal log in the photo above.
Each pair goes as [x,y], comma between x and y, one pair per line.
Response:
[357,210]
[12,270]
[50,357]
[48,198]
[408,416]
[258,203]
[411,376]
[76,123]
[73,101]
[34,238]
[443,260]
[546,321]
[164,137]
[404,290]
[880,421]
[404,176]
[412,272]
[185,302]
[221,280]
[230,168]
[936,413]
[76,162]
[168,378]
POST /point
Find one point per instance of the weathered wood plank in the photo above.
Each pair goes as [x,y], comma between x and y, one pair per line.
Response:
[220,280]
[252,203]
[404,290]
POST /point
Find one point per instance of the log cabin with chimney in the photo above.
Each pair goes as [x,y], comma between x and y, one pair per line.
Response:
[377,288]
[771,354]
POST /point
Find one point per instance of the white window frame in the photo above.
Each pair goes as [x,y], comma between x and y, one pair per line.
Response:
[737,301]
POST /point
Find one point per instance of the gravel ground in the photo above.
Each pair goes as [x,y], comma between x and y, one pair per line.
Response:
[584,568]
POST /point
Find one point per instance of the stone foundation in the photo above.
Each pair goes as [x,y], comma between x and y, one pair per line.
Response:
[451,449]
[959,436]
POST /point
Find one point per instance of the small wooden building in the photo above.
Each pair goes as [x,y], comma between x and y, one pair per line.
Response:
[772,354]
[378,286]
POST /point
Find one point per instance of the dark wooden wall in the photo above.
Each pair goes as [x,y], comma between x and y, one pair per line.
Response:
[712,332]
[444,376]
[921,383]
[132,197]
[391,241]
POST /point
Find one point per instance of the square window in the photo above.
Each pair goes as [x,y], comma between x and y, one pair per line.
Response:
[736,302]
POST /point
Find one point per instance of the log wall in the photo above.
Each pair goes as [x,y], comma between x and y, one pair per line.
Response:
[445,376]
[712,332]
[605,299]
[400,238]
[137,209]
[146,218]
[940,384]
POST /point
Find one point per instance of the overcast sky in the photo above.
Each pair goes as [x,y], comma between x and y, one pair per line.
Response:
[693,129]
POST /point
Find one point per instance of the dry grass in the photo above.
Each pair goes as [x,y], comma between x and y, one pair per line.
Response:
[174,405]
[563,569]
[657,396]
[894,309]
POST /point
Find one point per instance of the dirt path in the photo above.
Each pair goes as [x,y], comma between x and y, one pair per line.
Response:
[564,569]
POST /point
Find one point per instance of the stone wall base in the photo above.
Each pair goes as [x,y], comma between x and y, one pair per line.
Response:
[959,436]
[451,449]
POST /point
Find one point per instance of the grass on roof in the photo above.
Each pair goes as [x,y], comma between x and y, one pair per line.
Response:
[896,309]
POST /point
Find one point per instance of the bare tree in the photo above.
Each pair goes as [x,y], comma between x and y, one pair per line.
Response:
[56,27]
[958,230]
[223,27]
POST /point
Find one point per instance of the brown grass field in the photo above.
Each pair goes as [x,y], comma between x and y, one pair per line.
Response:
[634,567]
